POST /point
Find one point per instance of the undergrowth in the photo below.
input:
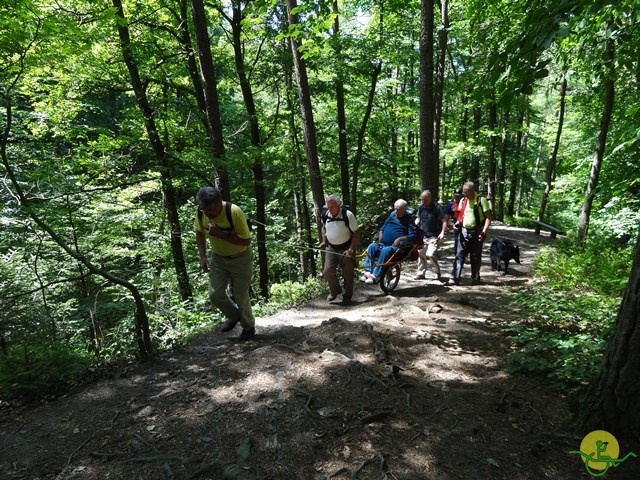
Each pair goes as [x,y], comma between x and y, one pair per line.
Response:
[568,318]
[48,369]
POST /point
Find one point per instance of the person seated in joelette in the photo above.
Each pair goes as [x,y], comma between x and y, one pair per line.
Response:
[397,231]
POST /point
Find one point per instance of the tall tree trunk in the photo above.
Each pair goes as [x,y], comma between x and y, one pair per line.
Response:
[429,167]
[536,168]
[307,259]
[308,124]
[160,154]
[343,153]
[613,398]
[474,169]
[609,92]
[184,37]
[502,172]
[258,172]
[361,134]
[523,169]
[491,162]
[210,93]
[515,172]
[439,90]
[141,320]
[551,163]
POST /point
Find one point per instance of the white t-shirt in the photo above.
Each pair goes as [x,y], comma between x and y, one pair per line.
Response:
[337,231]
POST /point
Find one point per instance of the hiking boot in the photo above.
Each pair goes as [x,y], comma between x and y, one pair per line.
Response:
[247,333]
[475,281]
[331,297]
[452,282]
[346,301]
[228,325]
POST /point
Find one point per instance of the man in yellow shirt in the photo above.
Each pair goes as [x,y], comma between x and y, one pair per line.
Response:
[473,221]
[226,227]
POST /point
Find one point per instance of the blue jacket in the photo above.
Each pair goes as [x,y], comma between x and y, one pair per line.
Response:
[395,227]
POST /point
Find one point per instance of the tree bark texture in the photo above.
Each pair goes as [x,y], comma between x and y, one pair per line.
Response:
[439,90]
[502,171]
[343,153]
[515,172]
[210,92]
[308,124]
[613,400]
[596,165]
[551,162]
[491,162]
[256,141]
[429,168]
[357,159]
[160,154]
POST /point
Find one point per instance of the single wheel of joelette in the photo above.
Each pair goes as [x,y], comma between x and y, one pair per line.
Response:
[389,278]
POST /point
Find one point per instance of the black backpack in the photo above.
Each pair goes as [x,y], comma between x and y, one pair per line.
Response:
[325,216]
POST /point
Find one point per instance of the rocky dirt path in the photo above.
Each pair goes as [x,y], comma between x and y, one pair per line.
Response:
[404,386]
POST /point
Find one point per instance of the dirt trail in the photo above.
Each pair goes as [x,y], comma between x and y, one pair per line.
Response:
[404,386]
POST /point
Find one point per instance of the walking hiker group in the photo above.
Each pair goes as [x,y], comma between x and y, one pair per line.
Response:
[229,260]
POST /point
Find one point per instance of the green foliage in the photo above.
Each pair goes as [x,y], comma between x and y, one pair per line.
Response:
[79,149]
[563,334]
[289,294]
[566,322]
[600,267]
[39,370]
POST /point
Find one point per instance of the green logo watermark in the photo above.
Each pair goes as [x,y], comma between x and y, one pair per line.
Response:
[600,451]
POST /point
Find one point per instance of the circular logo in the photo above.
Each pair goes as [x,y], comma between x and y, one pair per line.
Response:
[599,444]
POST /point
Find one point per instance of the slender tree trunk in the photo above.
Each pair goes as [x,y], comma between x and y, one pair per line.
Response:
[343,153]
[523,169]
[551,163]
[184,37]
[502,171]
[307,259]
[258,172]
[210,93]
[491,162]
[609,92]
[515,172]
[429,167]
[439,90]
[308,124]
[474,169]
[160,154]
[536,168]
[357,159]
[613,398]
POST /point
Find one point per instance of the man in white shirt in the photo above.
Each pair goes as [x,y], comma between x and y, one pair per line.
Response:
[340,238]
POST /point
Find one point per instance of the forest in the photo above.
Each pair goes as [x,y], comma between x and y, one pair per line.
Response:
[114,113]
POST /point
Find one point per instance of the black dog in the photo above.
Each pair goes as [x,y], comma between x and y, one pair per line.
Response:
[503,251]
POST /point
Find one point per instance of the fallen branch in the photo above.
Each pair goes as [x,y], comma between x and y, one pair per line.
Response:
[305,394]
[113,420]
[287,347]
[371,378]
[73,453]
[379,349]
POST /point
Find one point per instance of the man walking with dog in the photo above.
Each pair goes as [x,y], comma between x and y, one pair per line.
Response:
[474,219]
[432,220]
